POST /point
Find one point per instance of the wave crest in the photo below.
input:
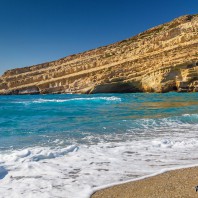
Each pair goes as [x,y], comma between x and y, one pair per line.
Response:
[92,99]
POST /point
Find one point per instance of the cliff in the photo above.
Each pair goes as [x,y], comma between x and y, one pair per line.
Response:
[161,59]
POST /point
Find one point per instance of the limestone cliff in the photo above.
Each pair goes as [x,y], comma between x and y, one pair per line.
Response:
[161,59]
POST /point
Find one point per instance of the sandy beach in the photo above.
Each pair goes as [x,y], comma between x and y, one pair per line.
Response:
[177,183]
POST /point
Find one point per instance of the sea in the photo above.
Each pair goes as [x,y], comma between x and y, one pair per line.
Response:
[68,145]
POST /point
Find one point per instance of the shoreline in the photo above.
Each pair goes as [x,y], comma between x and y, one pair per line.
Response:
[173,182]
[67,93]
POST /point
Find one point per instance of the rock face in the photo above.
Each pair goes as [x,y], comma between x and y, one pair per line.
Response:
[161,59]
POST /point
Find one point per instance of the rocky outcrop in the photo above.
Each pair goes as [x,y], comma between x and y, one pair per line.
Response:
[161,59]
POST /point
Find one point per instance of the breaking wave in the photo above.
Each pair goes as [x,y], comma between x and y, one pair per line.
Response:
[91,99]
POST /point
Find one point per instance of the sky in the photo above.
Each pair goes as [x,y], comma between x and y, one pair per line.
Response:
[37,31]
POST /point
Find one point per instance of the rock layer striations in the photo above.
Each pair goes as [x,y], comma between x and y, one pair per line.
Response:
[161,59]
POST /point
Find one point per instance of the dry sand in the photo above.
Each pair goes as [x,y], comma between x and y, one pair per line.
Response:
[177,183]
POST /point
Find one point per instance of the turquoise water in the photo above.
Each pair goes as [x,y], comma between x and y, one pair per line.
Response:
[66,145]
[41,119]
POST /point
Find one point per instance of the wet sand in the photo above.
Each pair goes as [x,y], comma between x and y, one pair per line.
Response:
[177,183]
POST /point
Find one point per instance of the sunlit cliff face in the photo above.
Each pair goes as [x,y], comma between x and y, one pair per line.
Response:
[161,59]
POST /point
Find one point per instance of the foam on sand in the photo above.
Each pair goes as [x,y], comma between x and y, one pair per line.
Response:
[168,182]
[76,170]
[67,146]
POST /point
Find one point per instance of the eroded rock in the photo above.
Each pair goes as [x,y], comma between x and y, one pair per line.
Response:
[161,59]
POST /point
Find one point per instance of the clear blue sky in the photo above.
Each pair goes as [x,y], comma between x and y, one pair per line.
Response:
[36,31]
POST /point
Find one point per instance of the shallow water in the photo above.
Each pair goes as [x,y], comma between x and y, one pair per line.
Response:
[66,145]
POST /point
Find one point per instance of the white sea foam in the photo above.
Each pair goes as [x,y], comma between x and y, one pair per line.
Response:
[75,171]
[112,98]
